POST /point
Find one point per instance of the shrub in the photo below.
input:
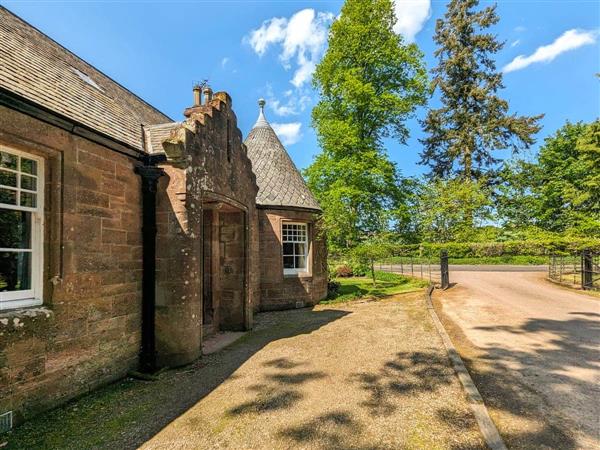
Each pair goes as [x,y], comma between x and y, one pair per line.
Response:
[333,288]
[343,270]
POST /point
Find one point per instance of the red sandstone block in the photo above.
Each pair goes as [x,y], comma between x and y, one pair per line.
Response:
[126,173]
[32,368]
[126,304]
[134,237]
[113,187]
[99,309]
[23,350]
[96,211]
[114,223]
[82,228]
[131,220]
[93,198]
[111,236]
[121,288]
[95,161]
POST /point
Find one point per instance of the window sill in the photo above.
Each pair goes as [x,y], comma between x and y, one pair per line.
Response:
[11,305]
[14,322]
[304,275]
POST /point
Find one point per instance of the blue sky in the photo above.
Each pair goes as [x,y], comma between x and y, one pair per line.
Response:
[255,49]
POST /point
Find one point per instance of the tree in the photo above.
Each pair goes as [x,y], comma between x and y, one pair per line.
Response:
[370,82]
[473,120]
[371,250]
[452,210]
[559,192]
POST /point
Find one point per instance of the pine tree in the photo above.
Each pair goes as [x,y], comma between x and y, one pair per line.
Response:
[473,121]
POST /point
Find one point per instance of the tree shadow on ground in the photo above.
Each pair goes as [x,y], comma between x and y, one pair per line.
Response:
[408,373]
[331,430]
[504,377]
[277,390]
[128,413]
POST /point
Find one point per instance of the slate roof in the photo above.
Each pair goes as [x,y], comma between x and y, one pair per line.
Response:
[37,68]
[156,134]
[279,181]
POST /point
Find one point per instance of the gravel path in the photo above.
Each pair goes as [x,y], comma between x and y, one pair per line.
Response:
[360,375]
[375,378]
[535,349]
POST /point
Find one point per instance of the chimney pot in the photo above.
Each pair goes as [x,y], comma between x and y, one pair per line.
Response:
[207,95]
[197,94]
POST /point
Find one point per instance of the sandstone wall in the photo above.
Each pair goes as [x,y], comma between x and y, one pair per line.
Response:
[206,166]
[279,291]
[87,333]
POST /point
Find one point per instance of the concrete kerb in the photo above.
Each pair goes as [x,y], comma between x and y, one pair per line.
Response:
[486,425]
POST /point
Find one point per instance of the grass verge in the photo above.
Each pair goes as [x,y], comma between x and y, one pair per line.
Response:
[354,288]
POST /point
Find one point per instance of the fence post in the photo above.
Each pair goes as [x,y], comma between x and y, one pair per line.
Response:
[587,269]
[444,269]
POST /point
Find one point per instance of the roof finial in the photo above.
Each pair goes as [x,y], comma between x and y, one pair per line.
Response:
[261,121]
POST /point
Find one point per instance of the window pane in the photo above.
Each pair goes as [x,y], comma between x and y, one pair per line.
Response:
[15,271]
[15,229]
[8,160]
[300,249]
[29,183]
[29,166]
[300,262]
[288,249]
[8,178]
[7,196]
[288,262]
[28,199]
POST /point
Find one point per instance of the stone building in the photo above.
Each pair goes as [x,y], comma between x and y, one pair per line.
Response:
[127,237]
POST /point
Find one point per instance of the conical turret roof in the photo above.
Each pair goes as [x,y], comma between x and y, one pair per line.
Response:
[279,181]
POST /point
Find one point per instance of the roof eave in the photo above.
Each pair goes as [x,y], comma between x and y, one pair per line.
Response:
[23,105]
[289,208]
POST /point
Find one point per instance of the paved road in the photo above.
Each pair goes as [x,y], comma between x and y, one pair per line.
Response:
[546,336]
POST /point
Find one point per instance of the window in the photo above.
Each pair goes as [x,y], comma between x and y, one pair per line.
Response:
[21,217]
[295,247]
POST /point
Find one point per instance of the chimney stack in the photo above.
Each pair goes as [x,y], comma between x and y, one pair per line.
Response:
[207,95]
[197,100]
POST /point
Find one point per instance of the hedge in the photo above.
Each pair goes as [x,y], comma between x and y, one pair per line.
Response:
[478,249]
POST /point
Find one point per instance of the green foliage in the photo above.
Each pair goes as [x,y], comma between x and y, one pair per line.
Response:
[556,245]
[451,210]
[559,192]
[386,284]
[473,121]
[369,251]
[368,87]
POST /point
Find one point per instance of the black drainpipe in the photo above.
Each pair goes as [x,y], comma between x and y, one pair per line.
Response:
[150,174]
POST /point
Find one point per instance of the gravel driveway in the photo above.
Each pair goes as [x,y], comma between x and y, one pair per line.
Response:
[534,352]
[377,377]
[359,375]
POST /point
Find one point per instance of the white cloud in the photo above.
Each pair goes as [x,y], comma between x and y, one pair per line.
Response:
[291,103]
[301,38]
[520,29]
[288,133]
[224,62]
[515,43]
[569,40]
[412,15]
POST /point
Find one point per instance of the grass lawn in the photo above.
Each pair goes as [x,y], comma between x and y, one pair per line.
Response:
[353,288]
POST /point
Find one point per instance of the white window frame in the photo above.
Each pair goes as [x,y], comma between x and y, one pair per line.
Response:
[32,296]
[295,271]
